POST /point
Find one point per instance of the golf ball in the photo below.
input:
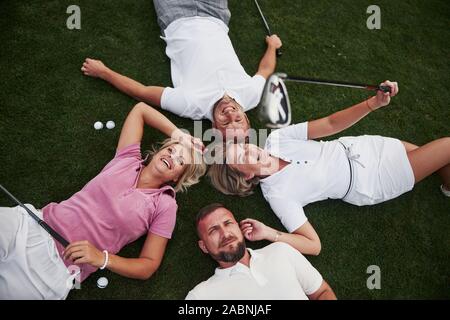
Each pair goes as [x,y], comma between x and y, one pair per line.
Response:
[98,125]
[102,282]
[110,124]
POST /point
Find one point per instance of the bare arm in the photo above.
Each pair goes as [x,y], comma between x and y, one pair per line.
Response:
[323,293]
[150,94]
[133,128]
[146,265]
[344,119]
[137,268]
[269,60]
[304,239]
[141,114]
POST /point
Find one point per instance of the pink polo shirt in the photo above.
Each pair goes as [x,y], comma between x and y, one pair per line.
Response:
[110,211]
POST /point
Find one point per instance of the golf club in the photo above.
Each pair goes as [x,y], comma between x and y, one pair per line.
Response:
[269,33]
[285,77]
[41,222]
[275,107]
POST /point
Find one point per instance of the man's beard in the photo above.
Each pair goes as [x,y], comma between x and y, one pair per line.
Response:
[232,256]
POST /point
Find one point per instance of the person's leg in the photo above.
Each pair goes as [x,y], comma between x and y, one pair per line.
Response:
[168,11]
[28,269]
[429,158]
[214,8]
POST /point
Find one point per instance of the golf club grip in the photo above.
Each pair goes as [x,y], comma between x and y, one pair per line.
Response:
[384,89]
[279,53]
[54,234]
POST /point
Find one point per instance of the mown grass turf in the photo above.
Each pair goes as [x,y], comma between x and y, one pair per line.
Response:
[49,148]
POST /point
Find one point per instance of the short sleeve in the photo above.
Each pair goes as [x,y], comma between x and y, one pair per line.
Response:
[251,95]
[297,131]
[308,277]
[163,223]
[131,151]
[177,101]
[289,212]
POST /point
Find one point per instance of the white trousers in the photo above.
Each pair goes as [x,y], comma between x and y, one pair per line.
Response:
[30,266]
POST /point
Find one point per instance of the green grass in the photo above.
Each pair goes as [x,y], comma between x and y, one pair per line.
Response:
[49,148]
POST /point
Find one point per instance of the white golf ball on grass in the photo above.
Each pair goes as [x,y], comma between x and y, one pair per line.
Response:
[102,282]
[110,124]
[98,125]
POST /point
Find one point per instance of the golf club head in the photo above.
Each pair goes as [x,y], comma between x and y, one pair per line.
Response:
[275,108]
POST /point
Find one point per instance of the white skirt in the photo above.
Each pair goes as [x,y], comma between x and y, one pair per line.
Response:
[30,266]
[381,169]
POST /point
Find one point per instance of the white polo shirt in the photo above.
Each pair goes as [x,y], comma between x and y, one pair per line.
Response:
[317,171]
[276,272]
[204,67]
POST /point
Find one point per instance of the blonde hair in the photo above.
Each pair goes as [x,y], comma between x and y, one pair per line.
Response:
[193,171]
[227,179]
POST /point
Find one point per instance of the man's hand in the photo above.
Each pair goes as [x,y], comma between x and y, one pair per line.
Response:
[382,99]
[255,230]
[274,41]
[94,68]
[80,252]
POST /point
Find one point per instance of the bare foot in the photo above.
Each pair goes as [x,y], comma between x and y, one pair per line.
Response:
[93,68]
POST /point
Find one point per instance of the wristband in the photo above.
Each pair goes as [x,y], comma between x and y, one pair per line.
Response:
[277,235]
[106,260]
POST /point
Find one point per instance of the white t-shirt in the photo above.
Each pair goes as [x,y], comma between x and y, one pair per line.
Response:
[317,171]
[204,68]
[276,272]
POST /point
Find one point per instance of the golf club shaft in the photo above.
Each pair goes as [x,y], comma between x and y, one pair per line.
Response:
[269,33]
[41,222]
[338,83]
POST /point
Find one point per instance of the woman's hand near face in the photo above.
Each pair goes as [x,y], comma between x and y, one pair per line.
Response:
[188,140]
[255,230]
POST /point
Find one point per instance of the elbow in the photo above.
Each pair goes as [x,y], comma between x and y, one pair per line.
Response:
[146,275]
[139,106]
[316,248]
[148,272]
[332,125]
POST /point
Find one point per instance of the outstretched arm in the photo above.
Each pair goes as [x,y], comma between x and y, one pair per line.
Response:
[269,60]
[344,119]
[150,94]
[304,239]
[137,268]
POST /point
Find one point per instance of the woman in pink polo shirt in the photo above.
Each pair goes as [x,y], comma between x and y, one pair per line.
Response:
[129,198]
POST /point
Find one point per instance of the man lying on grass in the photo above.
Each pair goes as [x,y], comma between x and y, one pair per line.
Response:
[277,271]
[208,79]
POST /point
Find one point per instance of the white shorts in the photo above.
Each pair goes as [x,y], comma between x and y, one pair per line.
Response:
[30,266]
[381,172]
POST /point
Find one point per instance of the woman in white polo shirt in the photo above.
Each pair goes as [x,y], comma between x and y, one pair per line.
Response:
[293,170]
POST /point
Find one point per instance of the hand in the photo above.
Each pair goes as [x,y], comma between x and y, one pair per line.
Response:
[382,99]
[83,252]
[255,230]
[274,41]
[188,140]
[93,68]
